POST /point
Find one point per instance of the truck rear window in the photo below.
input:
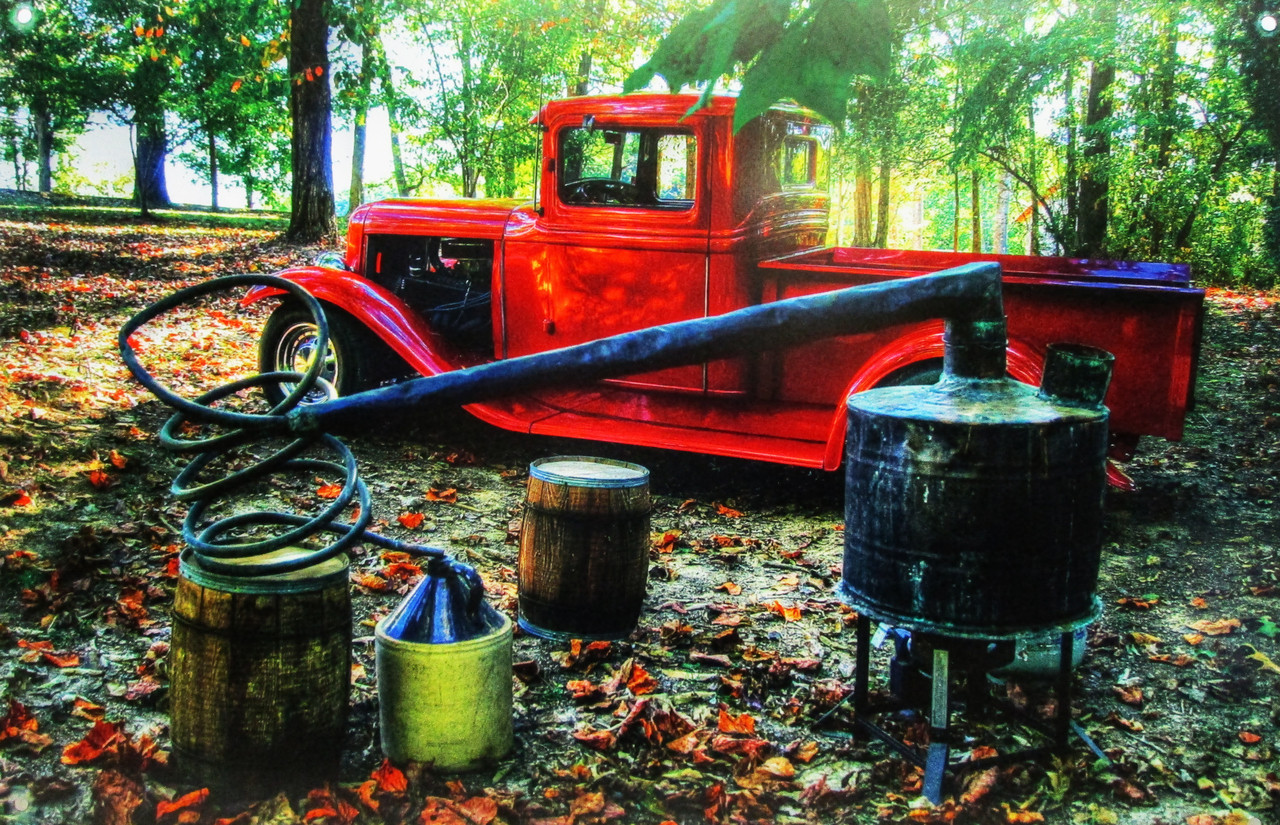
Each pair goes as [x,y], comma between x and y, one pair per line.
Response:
[632,167]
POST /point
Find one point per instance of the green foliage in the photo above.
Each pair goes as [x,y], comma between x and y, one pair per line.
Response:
[811,59]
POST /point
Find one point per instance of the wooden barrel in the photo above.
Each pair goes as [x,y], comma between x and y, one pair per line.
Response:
[260,670]
[584,548]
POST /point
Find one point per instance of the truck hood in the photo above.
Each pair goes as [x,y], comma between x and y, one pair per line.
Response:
[462,217]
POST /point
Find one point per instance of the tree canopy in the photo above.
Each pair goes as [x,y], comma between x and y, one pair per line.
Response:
[1146,130]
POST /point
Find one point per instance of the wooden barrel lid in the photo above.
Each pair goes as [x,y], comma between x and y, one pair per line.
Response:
[589,471]
[305,580]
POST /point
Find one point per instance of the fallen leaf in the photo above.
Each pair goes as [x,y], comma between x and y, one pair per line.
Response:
[1249,738]
[728,723]
[727,512]
[601,740]
[1219,627]
[448,495]
[186,802]
[329,491]
[789,613]
[389,778]
[410,521]
[730,588]
[641,682]
[115,798]
[1129,694]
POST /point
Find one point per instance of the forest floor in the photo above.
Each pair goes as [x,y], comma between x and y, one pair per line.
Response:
[725,705]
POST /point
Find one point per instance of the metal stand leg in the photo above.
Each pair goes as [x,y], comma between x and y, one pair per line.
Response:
[1062,723]
[935,766]
[862,667]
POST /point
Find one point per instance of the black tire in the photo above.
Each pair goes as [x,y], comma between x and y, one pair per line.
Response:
[921,373]
[288,340]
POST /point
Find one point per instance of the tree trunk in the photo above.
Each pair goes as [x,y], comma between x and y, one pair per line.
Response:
[1091,223]
[213,173]
[862,200]
[42,122]
[150,189]
[975,211]
[882,204]
[1033,223]
[1000,231]
[359,131]
[312,217]
[955,218]
[1071,175]
[582,82]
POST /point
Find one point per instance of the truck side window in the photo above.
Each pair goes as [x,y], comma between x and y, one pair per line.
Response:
[642,168]
[799,161]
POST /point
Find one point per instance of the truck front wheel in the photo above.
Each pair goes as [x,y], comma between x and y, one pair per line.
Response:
[288,344]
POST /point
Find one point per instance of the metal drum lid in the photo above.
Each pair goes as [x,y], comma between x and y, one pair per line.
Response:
[589,471]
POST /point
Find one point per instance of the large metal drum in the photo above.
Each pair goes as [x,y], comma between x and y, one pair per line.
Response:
[973,507]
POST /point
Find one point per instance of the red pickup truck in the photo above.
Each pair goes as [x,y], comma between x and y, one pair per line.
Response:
[645,215]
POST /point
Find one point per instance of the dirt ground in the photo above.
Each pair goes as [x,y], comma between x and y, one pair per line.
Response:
[729,701]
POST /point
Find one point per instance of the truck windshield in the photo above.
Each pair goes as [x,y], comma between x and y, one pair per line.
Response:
[643,168]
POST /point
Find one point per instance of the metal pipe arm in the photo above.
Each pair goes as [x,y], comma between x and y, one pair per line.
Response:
[969,293]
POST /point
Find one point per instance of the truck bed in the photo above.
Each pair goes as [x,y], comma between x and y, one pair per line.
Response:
[794,415]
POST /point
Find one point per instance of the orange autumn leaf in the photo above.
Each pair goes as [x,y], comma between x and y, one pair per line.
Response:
[1219,627]
[727,512]
[789,613]
[184,803]
[61,659]
[730,587]
[729,723]
[372,581]
[601,740]
[479,810]
[448,495]
[99,479]
[1199,603]
[1181,660]
[101,738]
[87,710]
[17,719]
[1019,817]
[410,521]
[236,84]
[641,682]
[389,778]
[22,500]
[244,41]
[117,460]
[1249,737]
[329,491]
[686,744]
[402,570]
[667,541]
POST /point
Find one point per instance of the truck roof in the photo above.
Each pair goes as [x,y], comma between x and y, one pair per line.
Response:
[675,105]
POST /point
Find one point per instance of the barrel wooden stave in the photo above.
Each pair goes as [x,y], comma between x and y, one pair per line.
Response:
[583,558]
[260,681]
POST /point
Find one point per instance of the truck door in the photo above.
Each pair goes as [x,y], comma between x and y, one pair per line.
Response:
[622,242]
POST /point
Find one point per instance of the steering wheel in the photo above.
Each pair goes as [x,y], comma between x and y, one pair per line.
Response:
[602,191]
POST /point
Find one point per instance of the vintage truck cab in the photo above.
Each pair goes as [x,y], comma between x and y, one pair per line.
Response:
[646,215]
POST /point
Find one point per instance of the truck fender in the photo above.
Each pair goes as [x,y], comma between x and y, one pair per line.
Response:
[919,344]
[388,317]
